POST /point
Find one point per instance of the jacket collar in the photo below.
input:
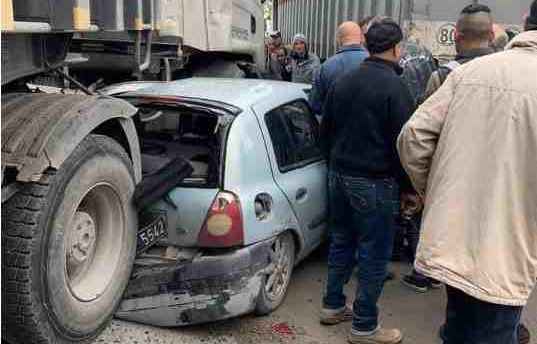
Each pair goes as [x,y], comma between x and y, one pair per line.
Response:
[474,53]
[527,40]
[372,60]
[300,59]
[350,47]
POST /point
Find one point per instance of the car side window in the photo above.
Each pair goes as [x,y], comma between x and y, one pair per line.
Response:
[294,132]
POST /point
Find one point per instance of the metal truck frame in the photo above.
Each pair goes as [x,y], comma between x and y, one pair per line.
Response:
[71,162]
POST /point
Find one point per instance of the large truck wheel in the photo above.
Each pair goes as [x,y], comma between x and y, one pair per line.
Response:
[68,246]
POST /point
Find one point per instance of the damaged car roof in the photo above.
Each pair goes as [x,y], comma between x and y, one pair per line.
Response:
[241,93]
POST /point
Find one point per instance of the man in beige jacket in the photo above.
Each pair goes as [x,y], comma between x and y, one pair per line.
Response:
[471,151]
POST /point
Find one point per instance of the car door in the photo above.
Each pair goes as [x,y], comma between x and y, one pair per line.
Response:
[299,169]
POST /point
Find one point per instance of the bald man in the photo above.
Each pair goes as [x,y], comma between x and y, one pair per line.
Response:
[349,55]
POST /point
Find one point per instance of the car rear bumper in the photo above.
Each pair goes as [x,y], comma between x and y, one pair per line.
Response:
[208,288]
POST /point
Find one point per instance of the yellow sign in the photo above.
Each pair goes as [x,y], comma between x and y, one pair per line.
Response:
[81,18]
[7,23]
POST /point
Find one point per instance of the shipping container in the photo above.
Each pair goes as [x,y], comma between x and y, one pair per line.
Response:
[432,22]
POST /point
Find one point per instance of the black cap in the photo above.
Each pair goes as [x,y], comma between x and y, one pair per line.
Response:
[383,36]
[531,21]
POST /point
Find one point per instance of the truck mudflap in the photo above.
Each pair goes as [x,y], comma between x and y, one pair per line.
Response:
[210,287]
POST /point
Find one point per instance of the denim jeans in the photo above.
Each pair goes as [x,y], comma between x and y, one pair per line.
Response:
[361,219]
[471,321]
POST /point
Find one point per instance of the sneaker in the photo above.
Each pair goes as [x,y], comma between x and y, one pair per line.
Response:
[378,336]
[336,316]
[420,285]
[434,284]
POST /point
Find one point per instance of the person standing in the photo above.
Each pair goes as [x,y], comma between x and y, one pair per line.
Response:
[275,43]
[350,55]
[304,63]
[473,38]
[279,67]
[470,151]
[364,112]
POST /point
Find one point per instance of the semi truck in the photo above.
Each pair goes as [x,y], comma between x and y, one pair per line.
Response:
[71,158]
[429,22]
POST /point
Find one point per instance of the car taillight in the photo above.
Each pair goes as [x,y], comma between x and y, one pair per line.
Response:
[223,225]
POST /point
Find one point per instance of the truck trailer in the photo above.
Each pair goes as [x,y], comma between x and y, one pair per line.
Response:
[71,160]
[429,22]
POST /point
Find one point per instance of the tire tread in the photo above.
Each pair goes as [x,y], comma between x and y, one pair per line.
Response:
[21,216]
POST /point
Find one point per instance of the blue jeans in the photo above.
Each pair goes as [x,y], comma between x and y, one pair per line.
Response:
[471,321]
[361,219]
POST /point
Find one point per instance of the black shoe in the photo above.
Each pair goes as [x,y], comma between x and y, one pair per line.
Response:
[390,276]
[420,285]
[442,333]
[523,334]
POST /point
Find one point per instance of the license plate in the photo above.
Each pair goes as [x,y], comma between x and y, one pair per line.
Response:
[150,234]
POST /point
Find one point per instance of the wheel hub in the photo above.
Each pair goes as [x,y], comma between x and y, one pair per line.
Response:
[277,276]
[82,240]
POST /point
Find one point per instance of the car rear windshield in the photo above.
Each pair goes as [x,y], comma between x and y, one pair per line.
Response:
[168,132]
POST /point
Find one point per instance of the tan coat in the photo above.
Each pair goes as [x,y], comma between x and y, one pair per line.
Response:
[471,149]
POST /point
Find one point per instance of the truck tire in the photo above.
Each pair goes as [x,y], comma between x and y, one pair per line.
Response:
[275,284]
[68,246]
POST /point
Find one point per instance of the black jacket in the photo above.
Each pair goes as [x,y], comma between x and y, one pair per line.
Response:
[364,113]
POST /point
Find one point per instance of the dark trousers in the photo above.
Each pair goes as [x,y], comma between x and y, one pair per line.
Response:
[361,220]
[471,321]
[410,229]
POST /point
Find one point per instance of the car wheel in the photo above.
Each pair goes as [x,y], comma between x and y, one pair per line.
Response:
[276,282]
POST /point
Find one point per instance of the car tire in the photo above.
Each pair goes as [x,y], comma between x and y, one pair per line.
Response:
[276,282]
[68,247]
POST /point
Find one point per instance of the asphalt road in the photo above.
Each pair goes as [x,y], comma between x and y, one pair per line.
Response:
[296,321]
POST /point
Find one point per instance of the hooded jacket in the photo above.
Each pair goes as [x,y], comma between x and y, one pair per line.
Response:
[471,149]
[304,68]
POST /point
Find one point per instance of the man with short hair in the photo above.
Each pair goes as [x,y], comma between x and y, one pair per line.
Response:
[275,43]
[350,55]
[470,151]
[304,63]
[474,36]
[364,112]
[279,67]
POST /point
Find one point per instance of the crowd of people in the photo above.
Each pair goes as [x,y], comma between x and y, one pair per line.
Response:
[451,149]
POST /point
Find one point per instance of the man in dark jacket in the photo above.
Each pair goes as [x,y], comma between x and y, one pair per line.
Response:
[349,56]
[364,113]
